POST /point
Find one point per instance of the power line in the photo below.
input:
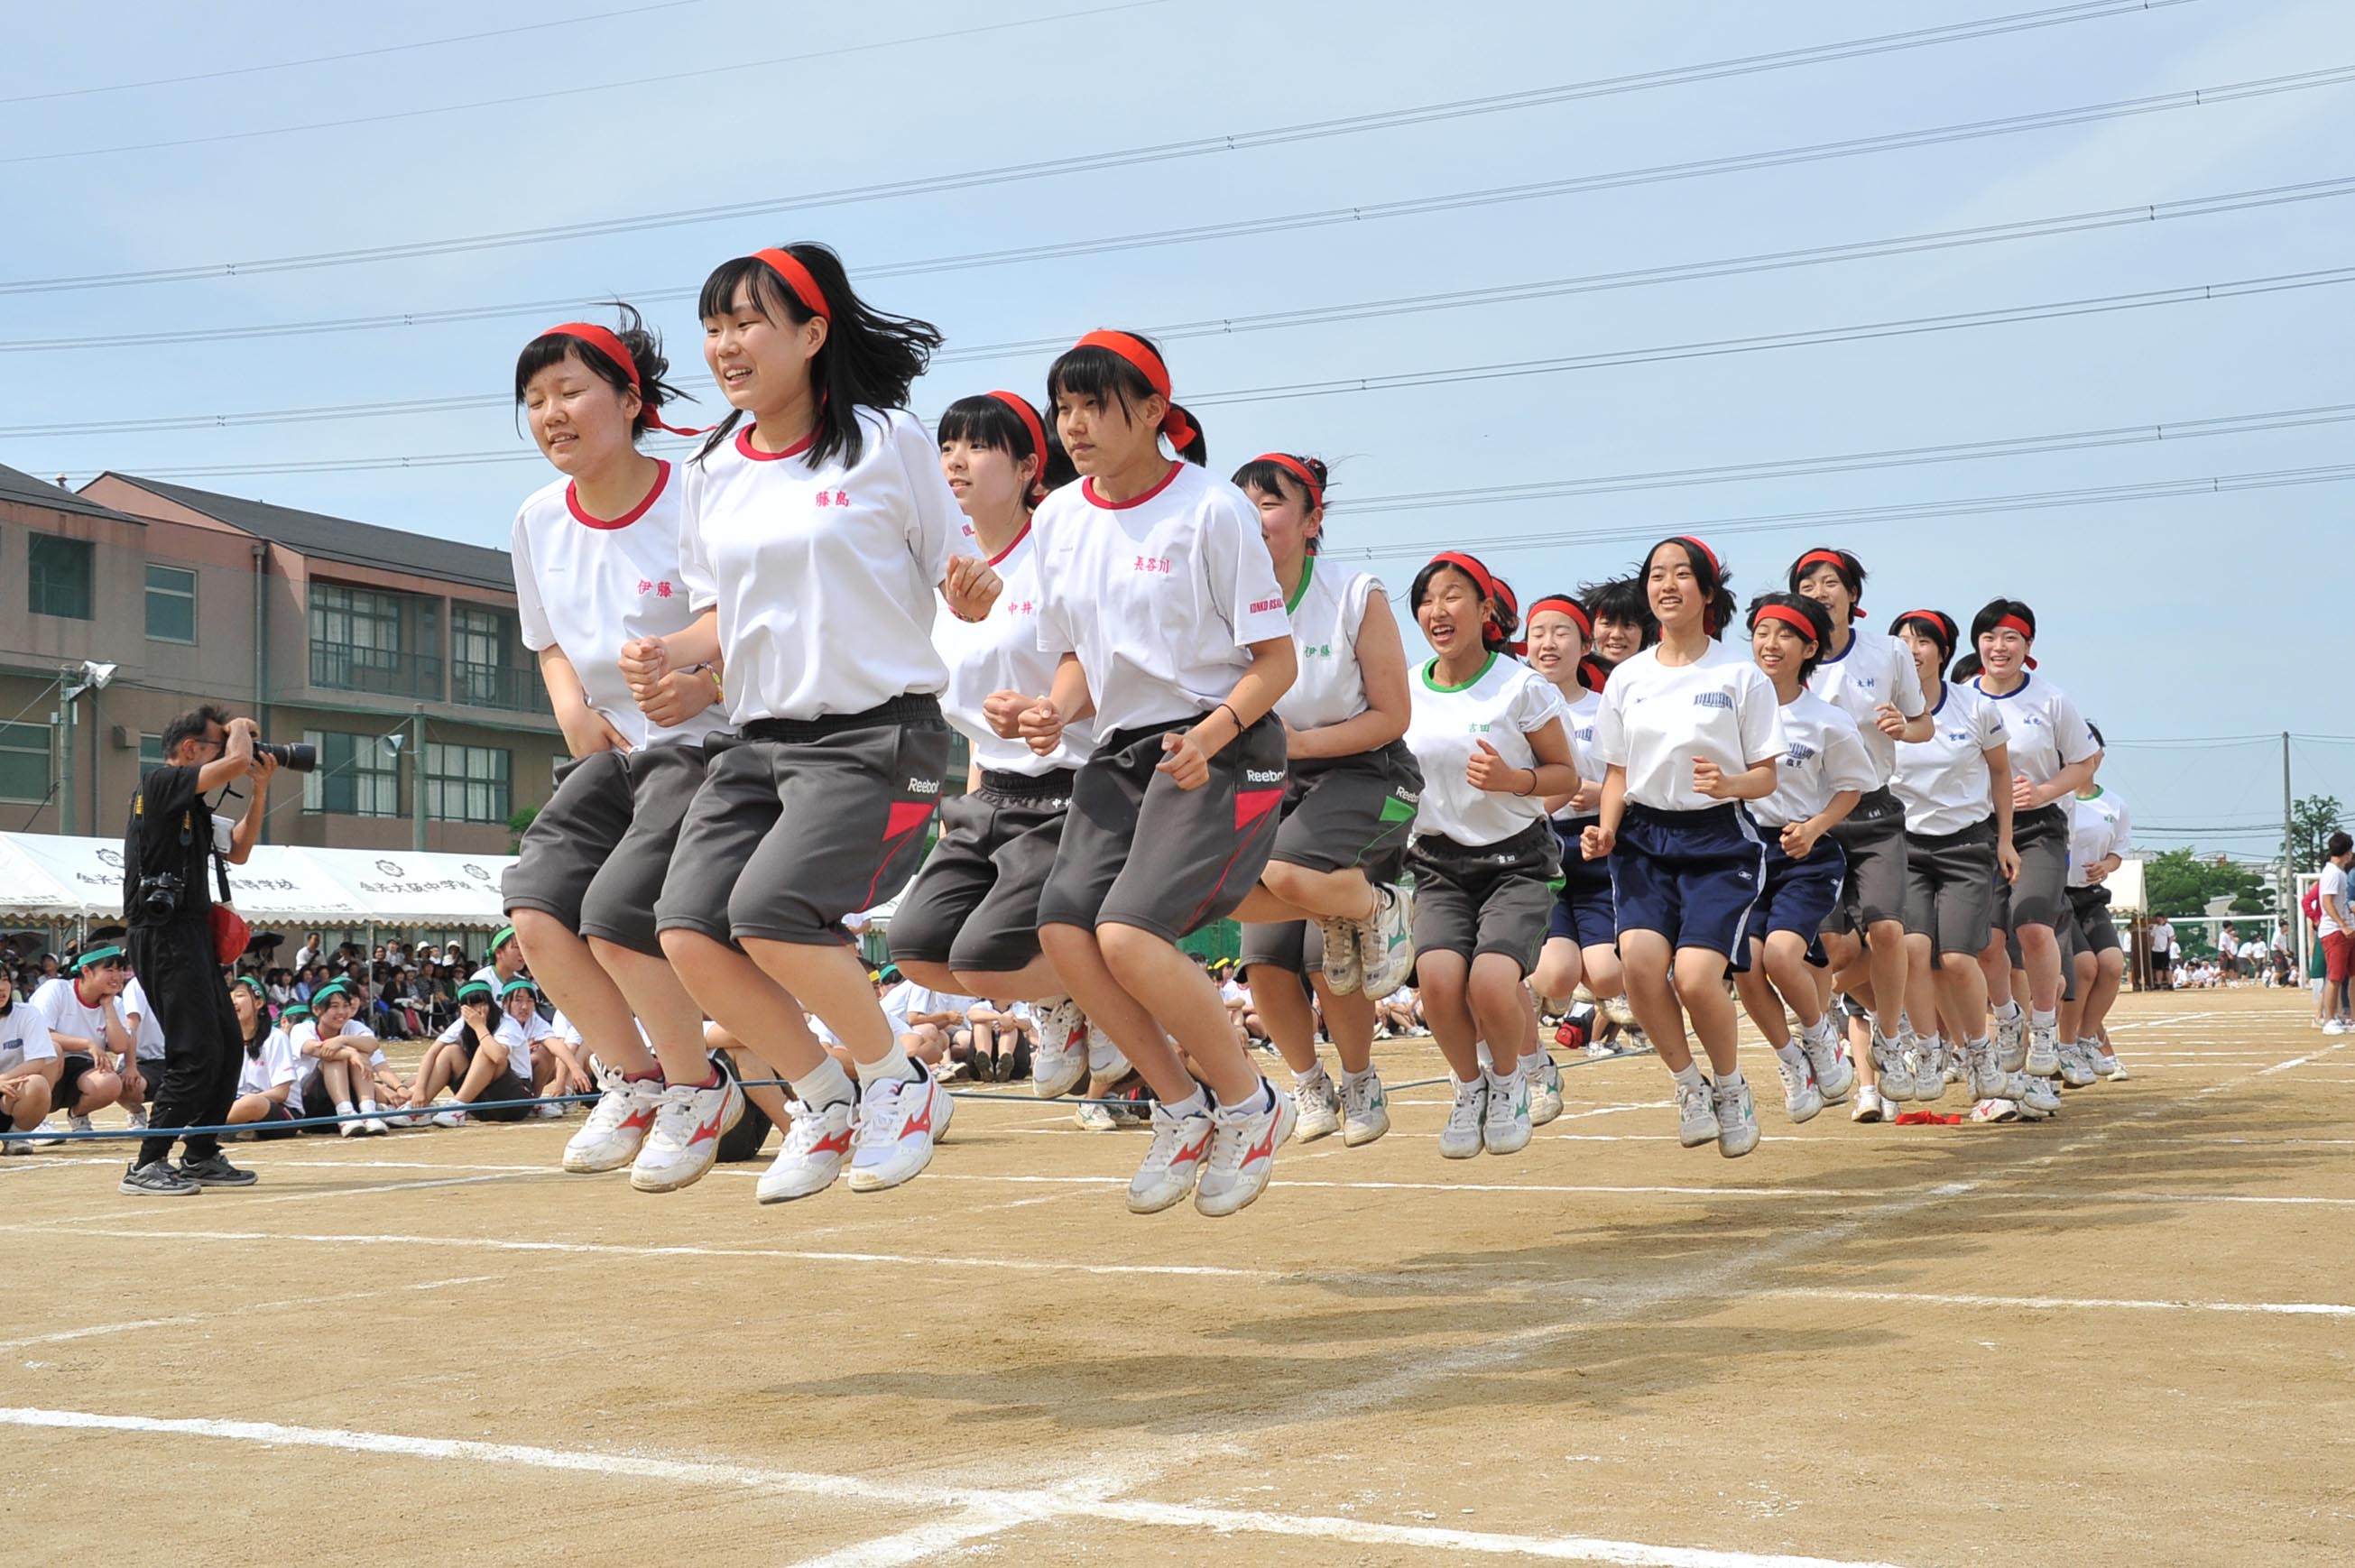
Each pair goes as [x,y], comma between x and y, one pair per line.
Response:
[348,55]
[1202,146]
[1705,348]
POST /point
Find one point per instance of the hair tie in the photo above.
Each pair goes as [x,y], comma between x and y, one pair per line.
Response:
[1176,424]
[1037,429]
[611,346]
[1569,607]
[1299,471]
[788,266]
[1593,672]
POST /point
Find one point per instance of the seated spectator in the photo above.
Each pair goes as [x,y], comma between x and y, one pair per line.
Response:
[480,1067]
[540,1058]
[309,953]
[87,1030]
[268,1072]
[1401,1012]
[928,1023]
[342,1065]
[278,985]
[143,1070]
[996,1042]
[29,1067]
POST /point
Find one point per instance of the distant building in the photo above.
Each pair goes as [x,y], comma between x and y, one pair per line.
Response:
[330,631]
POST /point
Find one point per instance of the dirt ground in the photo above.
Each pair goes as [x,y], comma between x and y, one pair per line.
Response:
[2120,1337]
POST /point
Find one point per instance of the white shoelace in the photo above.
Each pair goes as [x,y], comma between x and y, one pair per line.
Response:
[1469,1107]
[880,1111]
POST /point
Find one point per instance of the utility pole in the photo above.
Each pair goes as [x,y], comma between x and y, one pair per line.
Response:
[66,695]
[417,780]
[2289,889]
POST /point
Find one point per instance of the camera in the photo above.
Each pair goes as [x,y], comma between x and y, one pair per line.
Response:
[299,758]
[159,896]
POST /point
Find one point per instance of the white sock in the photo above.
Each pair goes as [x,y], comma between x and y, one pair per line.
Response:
[1791,1054]
[1354,1079]
[896,1064]
[1260,1098]
[1194,1105]
[1688,1076]
[1732,1080]
[1931,1043]
[344,1108]
[824,1084]
[2042,1020]
[2009,1012]
[1505,1083]
[1309,1076]
[368,1107]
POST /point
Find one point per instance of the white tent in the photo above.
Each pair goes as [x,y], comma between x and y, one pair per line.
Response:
[88,871]
[29,891]
[281,885]
[407,888]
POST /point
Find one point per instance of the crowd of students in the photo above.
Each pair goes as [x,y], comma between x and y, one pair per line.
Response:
[1181,708]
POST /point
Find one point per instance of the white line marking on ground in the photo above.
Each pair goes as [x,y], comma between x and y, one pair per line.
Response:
[1058,1506]
[924,1540]
[178,1319]
[1930,1299]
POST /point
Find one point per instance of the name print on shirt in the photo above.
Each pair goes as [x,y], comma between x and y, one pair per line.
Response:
[1153,563]
[1800,754]
[1262,606]
[834,497]
[662,590]
[1713,700]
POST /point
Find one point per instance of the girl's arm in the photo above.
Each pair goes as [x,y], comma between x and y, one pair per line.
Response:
[1275,665]
[1488,771]
[585,729]
[1599,840]
[2007,859]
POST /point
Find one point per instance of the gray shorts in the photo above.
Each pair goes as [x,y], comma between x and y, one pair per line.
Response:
[1485,898]
[798,824]
[1340,812]
[2041,895]
[1873,836]
[596,855]
[1950,889]
[1137,850]
[975,906]
[2093,929]
[1294,946]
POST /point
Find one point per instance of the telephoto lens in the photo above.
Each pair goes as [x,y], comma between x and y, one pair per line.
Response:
[301,757]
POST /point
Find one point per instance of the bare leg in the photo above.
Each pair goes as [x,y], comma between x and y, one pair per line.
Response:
[1604,974]
[650,989]
[2041,950]
[1284,1012]
[1448,1010]
[1350,1021]
[568,970]
[1700,987]
[1079,958]
[752,1008]
[1645,954]
[1759,1000]
[1176,991]
[831,981]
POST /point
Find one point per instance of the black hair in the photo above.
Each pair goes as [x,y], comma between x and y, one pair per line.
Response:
[1964,667]
[1621,599]
[2340,843]
[868,359]
[1850,571]
[2096,731]
[655,392]
[1718,606]
[1105,378]
[1275,479]
[1995,610]
[1494,633]
[1815,615]
[192,725]
[1937,625]
[985,420]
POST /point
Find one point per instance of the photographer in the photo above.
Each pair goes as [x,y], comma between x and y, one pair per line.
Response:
[167,903]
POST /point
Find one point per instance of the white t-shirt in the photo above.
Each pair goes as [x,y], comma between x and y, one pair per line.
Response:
[826,577]
[1001,653]
[1160,596]
[907,998]
[1502,705]
[1822,755]
[307,1067]
[1875,669]
[150,1031]
[1944,782]
[24,1037]
[2046,731]
[1578,721]
[2097,827]
[1327,613]
[587,586]
[1658,719]
[519,1035]
[277,1064]
[61,1007]
[2334,886]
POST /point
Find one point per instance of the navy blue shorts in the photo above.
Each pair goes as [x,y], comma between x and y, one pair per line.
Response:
[1799,893]
[1583,910]
[1691,876]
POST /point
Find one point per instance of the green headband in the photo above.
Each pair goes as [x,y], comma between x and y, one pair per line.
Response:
[250,984]
[98,956]
[511,987]
[328,992]
[501,937]
[294,1015]
[475,990]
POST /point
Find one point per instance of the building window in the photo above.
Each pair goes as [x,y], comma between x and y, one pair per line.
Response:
[467,783]
[366,623]
[150,754]
[359,775]
[24,761]
[477,636]
[171,604]
[57,576]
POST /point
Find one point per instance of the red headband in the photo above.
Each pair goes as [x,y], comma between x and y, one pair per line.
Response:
[1593,672]
[2014,624]
[1945,633]
[1490,589]
[1174,424]
[611,346]
[1791,618]
[1299,471]
[1569,607]
[1030,421]
[1830,557]
[788,266]
[1512,606]
[1707,554]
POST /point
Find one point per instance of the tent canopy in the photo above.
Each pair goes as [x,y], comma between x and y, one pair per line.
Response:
[29,891]
[403,888]
[44,876]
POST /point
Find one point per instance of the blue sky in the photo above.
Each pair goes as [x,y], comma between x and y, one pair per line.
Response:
[2168,617]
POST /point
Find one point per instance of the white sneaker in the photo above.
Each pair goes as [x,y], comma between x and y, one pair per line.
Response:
[1867,1107]
[138,1114]
[1542,1080]
[2334,1027]
[1826,1053]
[2036,1098]
[1059,1062]
[2043,1052]
[1929,1065]
[1986,1078]
[685,1139]
[1093,1117]
[375,1127]
[2105,1063]
[1737,1118]
[79,1121]
[818,1146]
[1344,971]
[2075,1070]
[46,1136]
[356,1130]
[1505,1122]
[405,1121]
[439,1118]
[1105,1060]
[1460,1138]
[1696,1117]
[1801,1098]
[1890,1065]
[1364,1110]
[1174,1164]
[1996,1111]
[617,1125]
[547,1111]
[899,1120]
[1242,1152]
[2011,1042]
[1386,943]
[1319,1107]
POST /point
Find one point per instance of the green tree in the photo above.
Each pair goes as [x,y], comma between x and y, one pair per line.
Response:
[2312,821]
[519,822]
[2182,883]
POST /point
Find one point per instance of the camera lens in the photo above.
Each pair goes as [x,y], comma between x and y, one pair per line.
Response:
[301,757]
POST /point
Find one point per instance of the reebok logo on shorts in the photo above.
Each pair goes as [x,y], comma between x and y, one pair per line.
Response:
[1713,700]
[923,787]
[1254,776]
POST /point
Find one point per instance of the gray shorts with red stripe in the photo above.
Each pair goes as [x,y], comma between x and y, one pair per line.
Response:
[1137,850]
